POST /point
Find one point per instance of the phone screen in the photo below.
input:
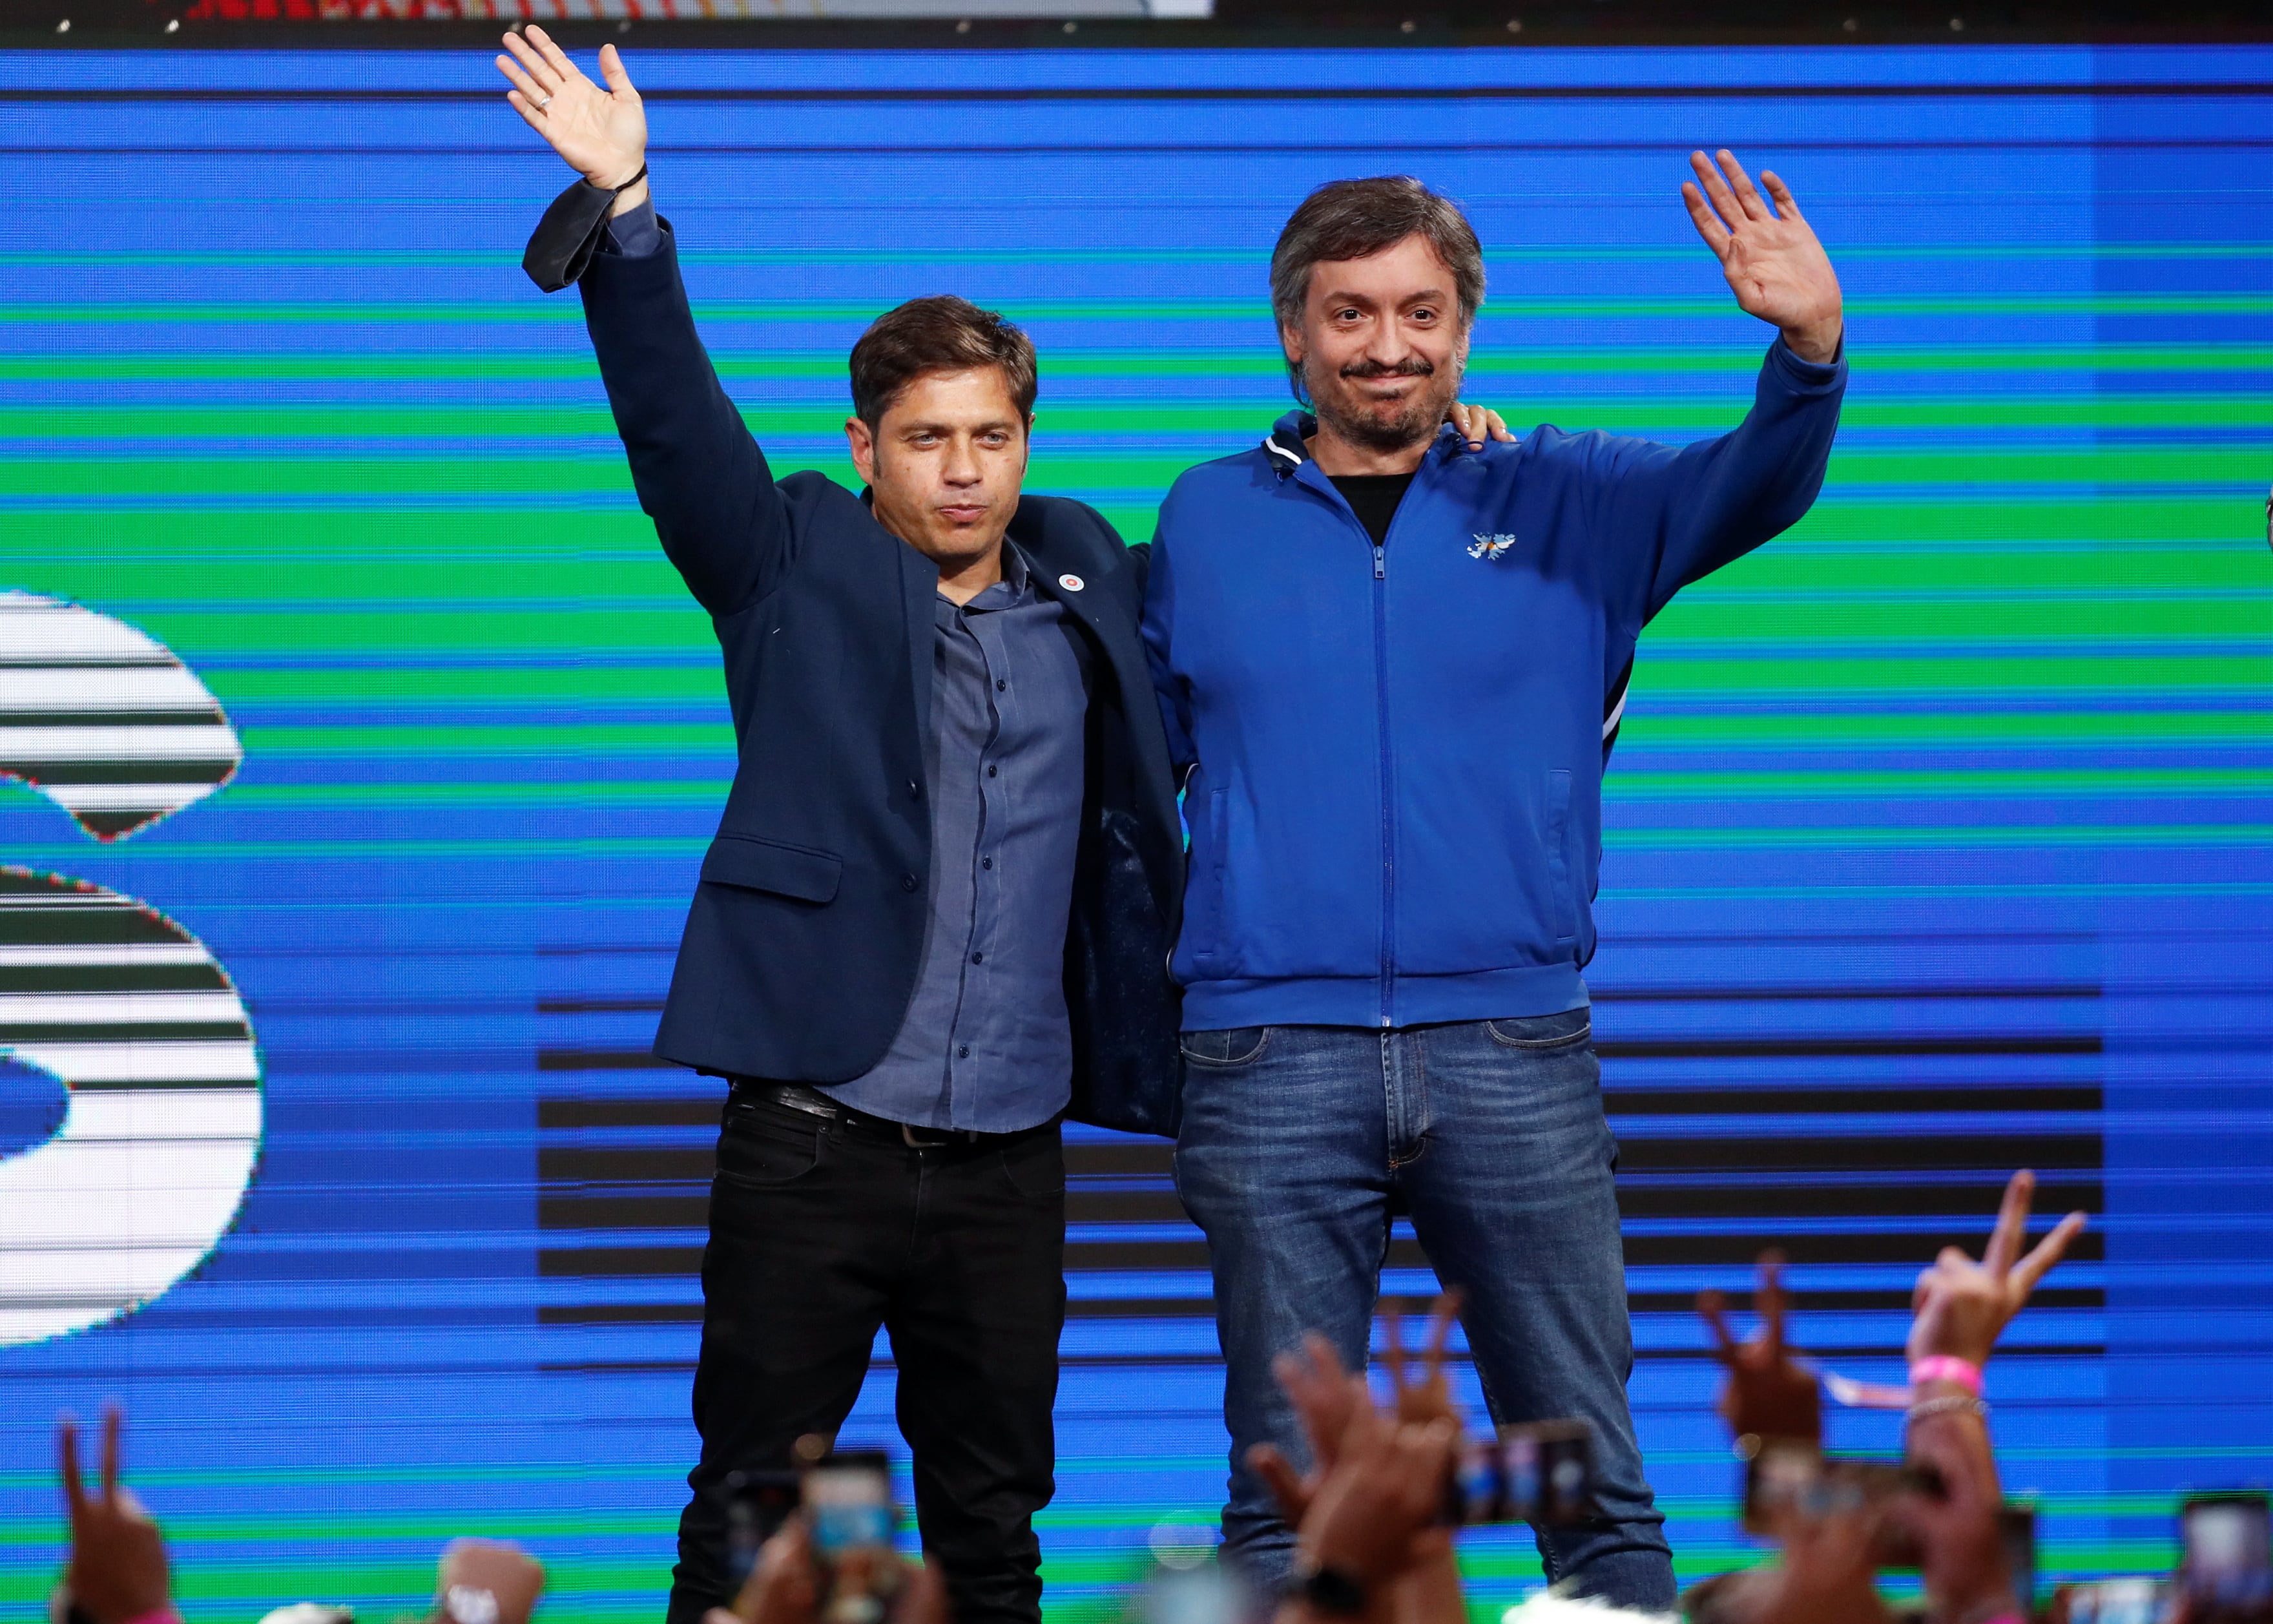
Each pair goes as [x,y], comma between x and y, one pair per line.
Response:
[848,1500]
[2226,1535]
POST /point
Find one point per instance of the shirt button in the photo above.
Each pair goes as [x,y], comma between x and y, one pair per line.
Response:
[914,788]
[991,771]
[1001,684]
[986,862]
[908,882]
[978,957]
[964,1053]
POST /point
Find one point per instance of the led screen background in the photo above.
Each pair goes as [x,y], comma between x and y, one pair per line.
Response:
[1937,836]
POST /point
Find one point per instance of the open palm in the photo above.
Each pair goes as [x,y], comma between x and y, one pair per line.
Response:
[1775,264]
[600,130]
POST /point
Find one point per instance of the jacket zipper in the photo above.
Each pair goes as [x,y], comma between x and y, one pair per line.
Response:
[1388,795]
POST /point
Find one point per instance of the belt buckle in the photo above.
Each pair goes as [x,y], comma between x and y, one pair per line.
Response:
[908,1138]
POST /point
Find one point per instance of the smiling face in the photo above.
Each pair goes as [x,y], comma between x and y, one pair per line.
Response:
[944,464]
[1382,347]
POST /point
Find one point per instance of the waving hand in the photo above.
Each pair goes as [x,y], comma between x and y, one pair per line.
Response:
[602,131]
[1775,264]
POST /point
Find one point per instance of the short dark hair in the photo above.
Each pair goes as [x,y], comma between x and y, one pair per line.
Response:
[1355,218]
[939,334]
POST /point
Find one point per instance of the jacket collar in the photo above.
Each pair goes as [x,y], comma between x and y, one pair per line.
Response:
[1284,447]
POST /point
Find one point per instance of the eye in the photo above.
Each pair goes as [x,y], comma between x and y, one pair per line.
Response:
[1349,313]
[1426,314]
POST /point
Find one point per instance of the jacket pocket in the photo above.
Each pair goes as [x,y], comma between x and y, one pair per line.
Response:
[798,871]
[1558,853]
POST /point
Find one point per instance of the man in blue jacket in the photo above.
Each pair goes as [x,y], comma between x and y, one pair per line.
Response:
[936,913]
[1392,662]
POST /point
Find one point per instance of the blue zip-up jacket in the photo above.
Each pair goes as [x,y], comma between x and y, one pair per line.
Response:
[1392,757]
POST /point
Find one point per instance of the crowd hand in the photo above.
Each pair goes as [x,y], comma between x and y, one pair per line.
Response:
[602,132]
[1775,264]
[1325,1395]
[785,1587]
[1377,1517]
[1960,1307]
[1768,1394]
[1477,423]
[1426,1395]
[118,1569]
[1826,1575]
[1960,1551]
[507,1575]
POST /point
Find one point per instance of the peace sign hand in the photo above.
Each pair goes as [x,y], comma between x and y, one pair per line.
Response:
[601,133]
[118,1559]
[1768,1393]
[1774,263]
[1961,1306]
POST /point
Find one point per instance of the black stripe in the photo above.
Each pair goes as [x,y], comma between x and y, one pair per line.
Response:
[206,716]
[1258,93]
[113,978]
[126,1032]
[53,773]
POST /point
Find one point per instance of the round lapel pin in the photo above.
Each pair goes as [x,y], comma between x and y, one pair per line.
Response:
[1072,583]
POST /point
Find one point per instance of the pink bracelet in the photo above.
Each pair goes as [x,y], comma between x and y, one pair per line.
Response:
[1947,1367]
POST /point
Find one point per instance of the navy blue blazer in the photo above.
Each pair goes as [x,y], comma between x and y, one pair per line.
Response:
[805,937]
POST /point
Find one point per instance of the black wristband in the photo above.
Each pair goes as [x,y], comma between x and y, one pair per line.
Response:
[634,181]
[1333,1592]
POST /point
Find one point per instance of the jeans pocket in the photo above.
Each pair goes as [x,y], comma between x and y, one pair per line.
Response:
[759,1148]
[1565,1030]
[1231,1046]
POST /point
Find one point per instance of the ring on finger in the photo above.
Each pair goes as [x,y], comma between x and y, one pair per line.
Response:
[542,102]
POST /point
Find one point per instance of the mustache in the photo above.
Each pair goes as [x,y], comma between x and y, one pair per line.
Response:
[1412,366]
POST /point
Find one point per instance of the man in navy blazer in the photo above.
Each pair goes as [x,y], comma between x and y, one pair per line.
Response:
[936,915]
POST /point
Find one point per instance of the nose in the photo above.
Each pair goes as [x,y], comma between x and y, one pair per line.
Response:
[962,464]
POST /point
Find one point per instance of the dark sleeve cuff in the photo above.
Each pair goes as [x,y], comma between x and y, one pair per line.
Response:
[565,240]
[1808,377]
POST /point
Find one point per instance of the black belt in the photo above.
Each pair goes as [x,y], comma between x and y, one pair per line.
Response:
[798,1097]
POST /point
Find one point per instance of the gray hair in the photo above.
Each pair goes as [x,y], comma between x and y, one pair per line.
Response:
[1355,218]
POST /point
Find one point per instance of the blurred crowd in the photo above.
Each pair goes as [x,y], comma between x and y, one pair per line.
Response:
[1393,1476]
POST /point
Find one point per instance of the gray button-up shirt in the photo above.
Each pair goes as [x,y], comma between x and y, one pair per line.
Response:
[986,1044]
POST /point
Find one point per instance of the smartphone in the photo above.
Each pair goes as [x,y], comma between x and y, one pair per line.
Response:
[847,1495]
[1539,1472]
[2115,1601]
[757,1504]
[1791,1478]
[2229,1551]
[2016,1527]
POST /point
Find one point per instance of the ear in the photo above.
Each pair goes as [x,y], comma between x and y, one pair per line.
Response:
[863,444]
[1290,340]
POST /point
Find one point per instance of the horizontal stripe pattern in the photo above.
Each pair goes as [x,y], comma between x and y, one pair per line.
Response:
[103,720]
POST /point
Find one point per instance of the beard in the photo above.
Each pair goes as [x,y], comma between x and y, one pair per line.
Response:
[1380,425]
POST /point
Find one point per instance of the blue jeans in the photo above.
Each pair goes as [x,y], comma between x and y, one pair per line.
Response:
[1300,1144]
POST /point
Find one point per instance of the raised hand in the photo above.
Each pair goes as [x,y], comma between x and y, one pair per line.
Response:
[602,132]
[1325,1395]
[117,1567]
[1768,1393]
[1774,263]
[1961,1306]
[1429,1395]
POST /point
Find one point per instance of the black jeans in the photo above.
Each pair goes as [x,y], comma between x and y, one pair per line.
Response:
[821,1231]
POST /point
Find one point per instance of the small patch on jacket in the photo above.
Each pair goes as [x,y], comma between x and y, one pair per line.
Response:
[1072,583]
[1489,547]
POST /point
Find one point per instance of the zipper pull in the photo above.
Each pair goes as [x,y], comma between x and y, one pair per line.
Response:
[1378,574]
